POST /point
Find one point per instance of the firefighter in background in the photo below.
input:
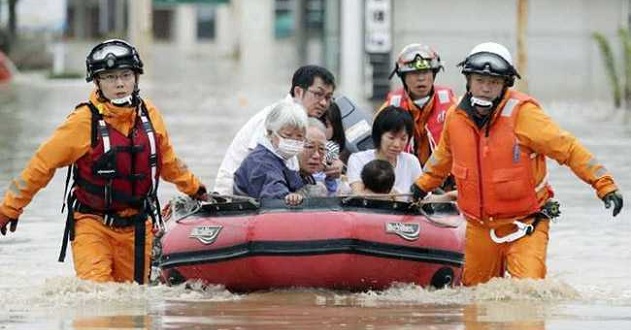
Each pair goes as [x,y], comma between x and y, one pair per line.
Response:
[417,66]
[495,143]
[118,149]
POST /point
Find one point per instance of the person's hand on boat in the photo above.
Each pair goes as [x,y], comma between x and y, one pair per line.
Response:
[293,199]
[615,198]
[334,169]
[201,194]
[417,193]
[4,221]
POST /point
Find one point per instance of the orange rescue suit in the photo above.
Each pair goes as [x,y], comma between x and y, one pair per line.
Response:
[71,141]
[501,176]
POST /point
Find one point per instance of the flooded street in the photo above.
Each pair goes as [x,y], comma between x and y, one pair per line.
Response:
[205,99]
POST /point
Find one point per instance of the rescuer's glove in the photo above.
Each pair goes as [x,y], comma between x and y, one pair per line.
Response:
[615,198]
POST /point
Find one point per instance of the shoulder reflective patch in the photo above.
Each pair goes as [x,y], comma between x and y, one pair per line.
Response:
[407,231]
[508,108]
[443,96]
[205,234]
[395,100]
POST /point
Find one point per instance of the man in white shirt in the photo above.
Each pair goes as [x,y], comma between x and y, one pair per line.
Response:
[312,86]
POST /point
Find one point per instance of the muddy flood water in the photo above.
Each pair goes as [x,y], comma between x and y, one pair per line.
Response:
[204,102]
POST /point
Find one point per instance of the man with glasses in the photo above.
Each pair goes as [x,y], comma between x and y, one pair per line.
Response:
[312,86]
[495,143]
[117,148]
[417,66]
[312,160]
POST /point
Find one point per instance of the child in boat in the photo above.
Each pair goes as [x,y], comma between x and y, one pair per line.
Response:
[271,169]
[377,178]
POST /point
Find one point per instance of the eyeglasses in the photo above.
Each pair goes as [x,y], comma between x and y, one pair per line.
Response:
[321,96]
[124,76]
[116,50]
[310,148]
[487,63]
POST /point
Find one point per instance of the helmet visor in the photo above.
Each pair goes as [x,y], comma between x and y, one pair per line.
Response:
[411,55]
[116,50]
[488,63]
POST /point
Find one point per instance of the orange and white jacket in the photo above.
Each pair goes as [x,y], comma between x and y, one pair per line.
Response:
[501,171]
[72,139]
[428,121]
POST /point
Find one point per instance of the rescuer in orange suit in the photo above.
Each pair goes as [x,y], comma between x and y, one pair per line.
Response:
[417,66]
[118,149]
[495,143]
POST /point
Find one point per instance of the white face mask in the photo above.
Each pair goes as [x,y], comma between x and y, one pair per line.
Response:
[481,103]
[422,101]
[122,101]
[288,148]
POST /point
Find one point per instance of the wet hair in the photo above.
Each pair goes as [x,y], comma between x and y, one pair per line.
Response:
[378,176]
[286,113]
[391,119]
[334,116]
[305,76]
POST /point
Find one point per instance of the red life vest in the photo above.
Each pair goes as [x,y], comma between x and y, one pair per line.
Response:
[119,172]
[494,172]
[432,127]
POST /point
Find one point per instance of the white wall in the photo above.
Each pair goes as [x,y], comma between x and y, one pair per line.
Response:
[563,60]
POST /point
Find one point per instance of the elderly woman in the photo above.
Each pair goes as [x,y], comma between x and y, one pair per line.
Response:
[271,169]
[391,132]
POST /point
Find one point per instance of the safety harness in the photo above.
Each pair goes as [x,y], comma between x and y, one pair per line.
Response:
[106,168]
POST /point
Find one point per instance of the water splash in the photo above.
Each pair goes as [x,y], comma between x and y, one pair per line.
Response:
[498,289]
[70,292]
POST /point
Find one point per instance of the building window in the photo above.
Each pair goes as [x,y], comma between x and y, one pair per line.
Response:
[206,18]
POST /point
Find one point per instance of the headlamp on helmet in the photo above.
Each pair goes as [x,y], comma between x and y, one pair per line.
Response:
[416,57]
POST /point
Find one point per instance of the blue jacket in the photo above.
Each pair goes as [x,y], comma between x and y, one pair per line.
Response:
[263,174]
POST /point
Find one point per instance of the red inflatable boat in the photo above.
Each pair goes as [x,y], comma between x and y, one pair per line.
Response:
[352,244]
[6,68]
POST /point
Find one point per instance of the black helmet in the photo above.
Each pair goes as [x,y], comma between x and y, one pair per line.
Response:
[112,54]
[491,59]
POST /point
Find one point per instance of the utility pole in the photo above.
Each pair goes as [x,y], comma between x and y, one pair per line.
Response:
[13,20]
[140,30]
[352,49]
[522,57]
[302,37]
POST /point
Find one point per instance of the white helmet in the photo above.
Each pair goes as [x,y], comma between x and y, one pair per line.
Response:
[416,57]
[490,58]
